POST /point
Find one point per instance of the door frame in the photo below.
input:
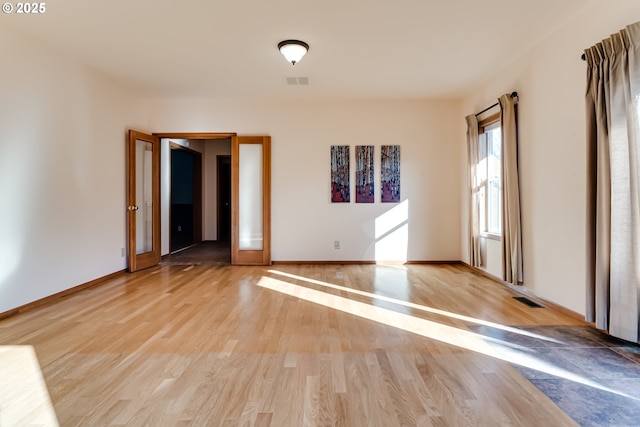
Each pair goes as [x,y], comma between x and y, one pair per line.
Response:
[267,184]
[266,252]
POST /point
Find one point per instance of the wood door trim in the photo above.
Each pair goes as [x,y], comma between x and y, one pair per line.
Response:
[266,188]
[196,135]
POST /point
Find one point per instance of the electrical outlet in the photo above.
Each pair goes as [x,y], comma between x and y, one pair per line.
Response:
[336,244]
[122,252]
[179,228]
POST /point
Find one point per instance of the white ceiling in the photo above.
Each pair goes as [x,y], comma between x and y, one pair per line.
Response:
[358,48]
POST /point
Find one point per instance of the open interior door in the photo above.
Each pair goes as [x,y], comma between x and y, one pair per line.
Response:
[143,210]
[251,200]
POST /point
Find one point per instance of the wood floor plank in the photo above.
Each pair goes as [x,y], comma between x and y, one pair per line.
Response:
[291,345]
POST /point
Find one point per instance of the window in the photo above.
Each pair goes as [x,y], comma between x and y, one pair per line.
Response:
[488,176]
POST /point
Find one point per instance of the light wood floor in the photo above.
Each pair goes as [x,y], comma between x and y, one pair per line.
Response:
[290,345]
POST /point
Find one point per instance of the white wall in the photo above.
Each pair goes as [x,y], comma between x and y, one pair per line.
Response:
[550,80]
[213,148]
[304,222]
[62,171]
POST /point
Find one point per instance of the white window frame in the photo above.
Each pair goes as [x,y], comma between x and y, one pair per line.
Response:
[483,180]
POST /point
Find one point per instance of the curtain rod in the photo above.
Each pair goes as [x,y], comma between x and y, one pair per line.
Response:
[513,95]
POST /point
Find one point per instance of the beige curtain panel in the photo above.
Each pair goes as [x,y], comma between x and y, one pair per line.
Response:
[474,203]
[613,144]
[511,223]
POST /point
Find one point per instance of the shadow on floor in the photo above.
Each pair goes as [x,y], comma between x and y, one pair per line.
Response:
[593,377]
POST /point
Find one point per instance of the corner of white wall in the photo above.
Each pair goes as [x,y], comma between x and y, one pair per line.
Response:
[62,171]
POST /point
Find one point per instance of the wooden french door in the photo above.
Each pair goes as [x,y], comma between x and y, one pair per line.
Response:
[251,200]
[143,210]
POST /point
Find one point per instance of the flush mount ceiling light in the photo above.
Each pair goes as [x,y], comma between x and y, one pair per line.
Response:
[293,50]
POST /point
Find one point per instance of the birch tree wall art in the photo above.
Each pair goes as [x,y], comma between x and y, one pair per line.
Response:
[390,174]
[364,174]
[340,183]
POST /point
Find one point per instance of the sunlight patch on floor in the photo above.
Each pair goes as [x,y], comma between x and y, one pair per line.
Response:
[429,329]
[416,325]
[24,397]
[413,305]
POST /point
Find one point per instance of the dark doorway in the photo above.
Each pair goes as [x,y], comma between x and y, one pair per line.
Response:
[224,198]
[186,198]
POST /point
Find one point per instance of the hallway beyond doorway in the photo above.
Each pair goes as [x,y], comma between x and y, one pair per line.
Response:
[208,252]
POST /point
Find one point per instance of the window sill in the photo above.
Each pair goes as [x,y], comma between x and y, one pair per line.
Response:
[492,236]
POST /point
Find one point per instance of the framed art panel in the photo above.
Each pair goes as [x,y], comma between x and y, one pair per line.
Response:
[364,174]
[390,174]
[340,180]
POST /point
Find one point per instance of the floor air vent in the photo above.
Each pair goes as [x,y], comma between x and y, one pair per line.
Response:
[528,302]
